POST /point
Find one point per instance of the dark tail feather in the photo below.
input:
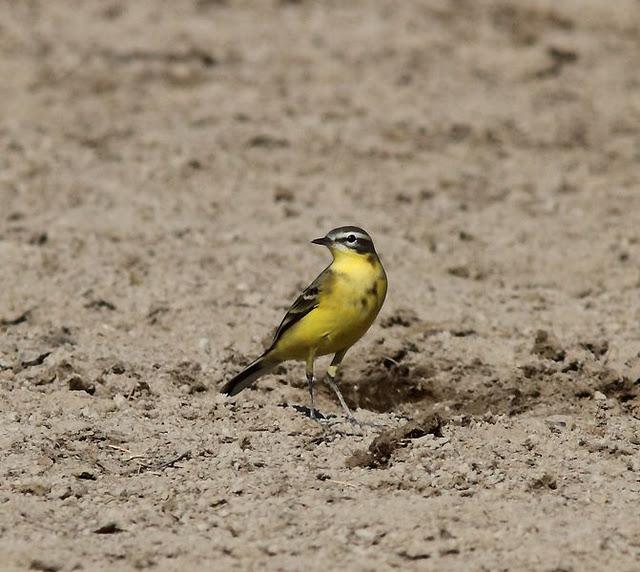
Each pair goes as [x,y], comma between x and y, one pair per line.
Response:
[246,377]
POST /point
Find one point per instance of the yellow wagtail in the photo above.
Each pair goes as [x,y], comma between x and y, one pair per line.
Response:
[330,315]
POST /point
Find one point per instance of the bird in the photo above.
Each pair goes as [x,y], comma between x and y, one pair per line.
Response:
[328,317]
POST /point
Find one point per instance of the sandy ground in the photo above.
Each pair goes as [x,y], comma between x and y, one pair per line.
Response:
[162,168]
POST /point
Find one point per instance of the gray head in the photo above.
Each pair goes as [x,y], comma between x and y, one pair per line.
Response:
[347,239]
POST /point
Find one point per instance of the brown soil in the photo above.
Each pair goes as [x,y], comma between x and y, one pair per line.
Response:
[162,168]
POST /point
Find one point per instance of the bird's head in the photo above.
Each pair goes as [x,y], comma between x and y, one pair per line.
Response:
[347,239]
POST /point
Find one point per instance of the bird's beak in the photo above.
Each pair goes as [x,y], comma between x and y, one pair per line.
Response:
[324,241]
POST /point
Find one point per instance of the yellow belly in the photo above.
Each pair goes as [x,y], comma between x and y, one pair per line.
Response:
[325,331]
[345,312]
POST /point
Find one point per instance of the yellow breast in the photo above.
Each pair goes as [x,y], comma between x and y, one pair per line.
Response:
[348,304]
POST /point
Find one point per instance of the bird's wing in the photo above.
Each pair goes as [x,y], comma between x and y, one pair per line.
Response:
[304,303]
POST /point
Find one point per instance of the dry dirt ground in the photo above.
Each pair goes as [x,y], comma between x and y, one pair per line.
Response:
[162,168]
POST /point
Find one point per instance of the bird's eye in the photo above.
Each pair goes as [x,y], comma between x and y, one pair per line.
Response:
[351,238]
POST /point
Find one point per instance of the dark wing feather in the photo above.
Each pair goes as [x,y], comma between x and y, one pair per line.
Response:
[304,303]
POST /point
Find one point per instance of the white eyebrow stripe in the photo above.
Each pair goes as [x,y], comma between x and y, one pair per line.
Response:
[354,233]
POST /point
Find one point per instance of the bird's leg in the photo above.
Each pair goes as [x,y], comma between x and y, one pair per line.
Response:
[310,381]
[331,375]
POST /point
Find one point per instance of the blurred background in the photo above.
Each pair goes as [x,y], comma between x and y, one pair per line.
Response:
[163,165]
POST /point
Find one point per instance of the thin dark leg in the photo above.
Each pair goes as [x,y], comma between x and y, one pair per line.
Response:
[310,382]
[332,370]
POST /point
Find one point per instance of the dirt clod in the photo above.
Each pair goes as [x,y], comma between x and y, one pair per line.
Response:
[545,481]
[547,346]
[21,318]
[109,528]
[383,446]
[42,565]
[77,383]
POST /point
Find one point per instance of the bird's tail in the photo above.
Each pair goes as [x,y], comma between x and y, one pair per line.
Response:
[247,376]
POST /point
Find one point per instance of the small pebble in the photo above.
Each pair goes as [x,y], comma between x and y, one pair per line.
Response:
[204,344]
[365,534]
